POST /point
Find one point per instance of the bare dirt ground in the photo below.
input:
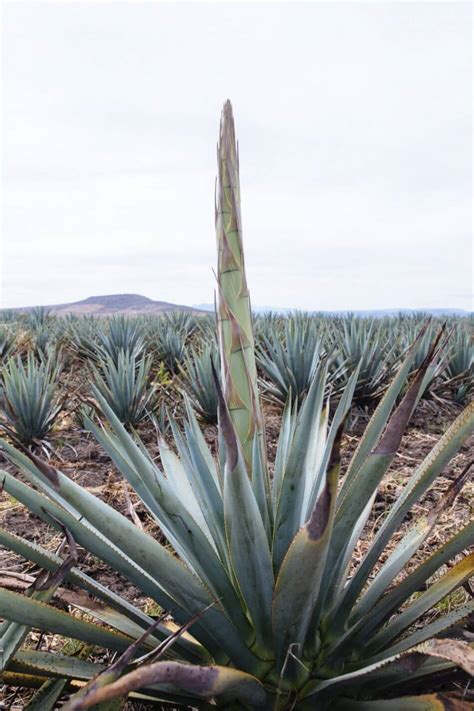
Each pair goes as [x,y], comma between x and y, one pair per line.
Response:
[80,457]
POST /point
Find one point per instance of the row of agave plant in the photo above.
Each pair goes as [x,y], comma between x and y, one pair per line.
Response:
[263,605]
[140,365]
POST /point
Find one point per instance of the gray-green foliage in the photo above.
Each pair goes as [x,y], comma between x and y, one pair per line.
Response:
[7,342]
[126,386]
[362,343]
[29,396]
[9,316]
[289,358]
[122,335]
[82,335]
[168,344]
[197,378]
[458,375]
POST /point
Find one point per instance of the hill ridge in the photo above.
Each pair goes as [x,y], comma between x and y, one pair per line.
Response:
[109,304]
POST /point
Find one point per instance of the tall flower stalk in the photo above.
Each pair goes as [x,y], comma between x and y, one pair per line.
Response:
[236,337]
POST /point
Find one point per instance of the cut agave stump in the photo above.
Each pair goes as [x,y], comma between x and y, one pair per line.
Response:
[256,574]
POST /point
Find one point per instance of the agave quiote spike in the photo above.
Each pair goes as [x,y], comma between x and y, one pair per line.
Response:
[239,373]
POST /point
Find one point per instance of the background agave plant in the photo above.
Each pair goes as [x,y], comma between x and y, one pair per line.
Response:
[361,342]
[29,399]
[198,381]
[7,343]
[289,360]
[126,387]
[122,336]
[169,343]
[459,372]
[268,612]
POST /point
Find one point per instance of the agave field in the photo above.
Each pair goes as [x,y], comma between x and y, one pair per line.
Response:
[236,511]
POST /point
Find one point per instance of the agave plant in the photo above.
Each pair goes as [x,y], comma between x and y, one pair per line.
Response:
[122,335]
[289,360]
[7,343]
[360,342]
[97,343]
[9,315]
[268,612]
[197,378]
[125,386]
[82,335]
[205,330]
[37,318]
[44,340]
[169,345]
[29,399]
[458,375]
[184,322]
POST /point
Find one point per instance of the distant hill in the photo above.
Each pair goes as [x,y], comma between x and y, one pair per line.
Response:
[135,304]
[374,313]
[131,304]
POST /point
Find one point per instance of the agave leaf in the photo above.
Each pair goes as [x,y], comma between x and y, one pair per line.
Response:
[202,482]
[364,629]
[339,578]
[433,464]
[399,676]
[113,671]
[409,544]
[299,580]
[176,475]
[405,675]
[287,431]
[47,696]
[198,437]
[246,535]
[49,664]
[338,682]
[33,613]
[116,556]
[382,412]
[290,502]
[319,467]
[187,537]
[184,589]
[225,683]
[190,651]
[86,536]
[155,489]
[43,589]
[425,702]
[455,577]
[370,669]
[352,501]
[393,678]
[314,470]
[439,626]
[260,490]
[27,681]
[458,652]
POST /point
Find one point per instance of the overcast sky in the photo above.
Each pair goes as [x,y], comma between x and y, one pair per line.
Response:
[355,131]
